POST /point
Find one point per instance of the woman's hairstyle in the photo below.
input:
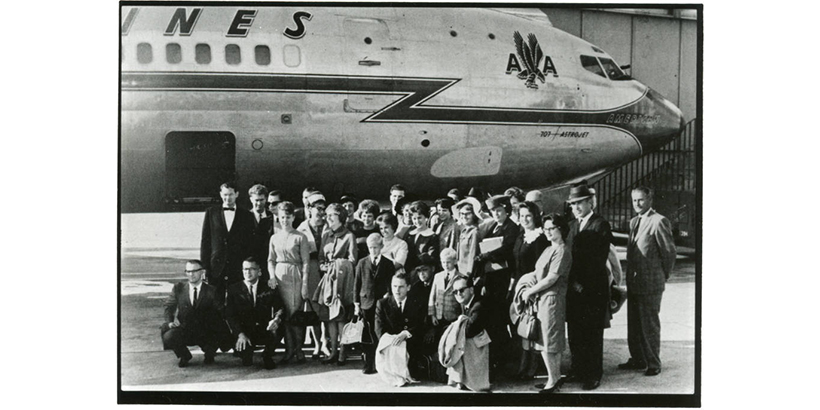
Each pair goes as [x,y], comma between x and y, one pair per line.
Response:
[534,210]
[339,209]
[387,217]
[559,221]
[419,207]
[286,206]
[369,206]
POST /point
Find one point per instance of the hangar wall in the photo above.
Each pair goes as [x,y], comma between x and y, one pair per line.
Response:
[661,49]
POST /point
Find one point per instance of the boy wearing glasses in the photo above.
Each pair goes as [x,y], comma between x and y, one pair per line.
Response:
[198,316]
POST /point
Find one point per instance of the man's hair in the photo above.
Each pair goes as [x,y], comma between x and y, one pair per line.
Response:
[446,203]
[534,210]
[448,253]
[258,189]
[286,206]
[387,217]
[468,281]
[309,189]
[559,221]
[349,198]
[374,239]
[275,192]
[397,187]
[647,191]
[534,195]
[419,207]
[402,276]
[515,192]
[369,206]
[251,259]
[195,262]
[229,185]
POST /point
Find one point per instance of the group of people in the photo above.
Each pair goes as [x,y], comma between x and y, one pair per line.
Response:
[450,292]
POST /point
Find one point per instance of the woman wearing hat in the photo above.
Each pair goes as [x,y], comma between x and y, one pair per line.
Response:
[549,294]
[312,229]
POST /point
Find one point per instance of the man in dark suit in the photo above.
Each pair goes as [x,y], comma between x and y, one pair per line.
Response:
[198,316]
[650,258]
[476,367]
[373,276]
[396,314]
[588,291]
[227,239]
[263,226]
[254,313]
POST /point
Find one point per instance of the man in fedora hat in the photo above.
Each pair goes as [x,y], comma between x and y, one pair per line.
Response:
[650,257]
[588,309]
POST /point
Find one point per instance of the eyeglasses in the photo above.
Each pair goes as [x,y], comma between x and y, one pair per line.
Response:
[195,270]
[460,290]
[550,229]
[250,269]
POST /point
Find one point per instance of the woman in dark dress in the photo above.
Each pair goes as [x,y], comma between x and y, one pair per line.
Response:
[529,245]
[420,239]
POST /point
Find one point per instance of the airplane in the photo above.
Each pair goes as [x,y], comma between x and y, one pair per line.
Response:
[356,99]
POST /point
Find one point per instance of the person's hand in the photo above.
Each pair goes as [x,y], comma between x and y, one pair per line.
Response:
[404,335]
[272,283]
[172,325]
[480,257]
[357,310]
[273,325]
[526,295]
[435,321]
[577,287]
[242,342]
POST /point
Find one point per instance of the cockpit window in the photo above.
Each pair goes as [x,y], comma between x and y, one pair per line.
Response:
[612,70]
[591,64]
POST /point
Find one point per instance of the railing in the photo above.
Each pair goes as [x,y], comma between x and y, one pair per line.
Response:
[671,172]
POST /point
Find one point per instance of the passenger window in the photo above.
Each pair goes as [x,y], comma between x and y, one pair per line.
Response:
[612,70]
[591,64]
[262,54]
[173,53]
[232,55]
[292,56]
[144,53]
[203,54]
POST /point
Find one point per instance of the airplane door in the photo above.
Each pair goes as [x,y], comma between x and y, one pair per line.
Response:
[369,51]
[197,163]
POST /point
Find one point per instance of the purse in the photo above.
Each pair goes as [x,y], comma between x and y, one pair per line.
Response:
[529,327]
[352,332]
[336,309]
[304,317]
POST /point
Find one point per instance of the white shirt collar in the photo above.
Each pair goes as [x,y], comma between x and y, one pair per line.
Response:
[583,221]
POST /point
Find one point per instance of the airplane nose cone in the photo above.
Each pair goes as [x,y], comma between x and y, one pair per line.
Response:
[667,121]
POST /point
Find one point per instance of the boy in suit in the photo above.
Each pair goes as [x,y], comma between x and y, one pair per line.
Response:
[198,316]
[442,306]
[373,276]
[254,312]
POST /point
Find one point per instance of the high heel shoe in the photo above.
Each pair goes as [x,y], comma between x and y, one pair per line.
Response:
[555,388]
[330,359]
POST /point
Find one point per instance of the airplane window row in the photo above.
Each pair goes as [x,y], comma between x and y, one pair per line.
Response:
[602,65]
[202,54]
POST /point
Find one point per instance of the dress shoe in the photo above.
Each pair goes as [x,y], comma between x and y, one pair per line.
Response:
[461,386]
[369,371]
[652,372]
[631,365]
[209,359]
[330,360]
[269,363]
[591,385]
[183,361]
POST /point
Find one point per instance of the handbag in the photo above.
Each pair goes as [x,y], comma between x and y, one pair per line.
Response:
[368,337]
[304,317]
[352,332]
[336,309]
[529,327]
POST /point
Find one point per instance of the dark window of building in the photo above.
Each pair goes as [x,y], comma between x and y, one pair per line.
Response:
[232,55]
[173,53]
[262,54]
[591,64]
[612,70]
[203,54]
[144,53]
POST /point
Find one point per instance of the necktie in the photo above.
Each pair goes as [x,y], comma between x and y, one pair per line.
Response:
[194,297]
[635,231]
[401,306]
[446,278]
[253,298]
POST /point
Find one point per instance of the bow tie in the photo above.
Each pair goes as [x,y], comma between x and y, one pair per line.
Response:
[229,209]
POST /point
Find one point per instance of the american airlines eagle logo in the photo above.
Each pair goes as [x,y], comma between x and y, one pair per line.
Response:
[529,53]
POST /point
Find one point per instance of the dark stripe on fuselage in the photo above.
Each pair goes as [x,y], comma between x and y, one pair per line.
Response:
[408,109]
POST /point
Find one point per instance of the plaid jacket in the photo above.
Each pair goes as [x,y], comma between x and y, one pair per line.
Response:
[443,303]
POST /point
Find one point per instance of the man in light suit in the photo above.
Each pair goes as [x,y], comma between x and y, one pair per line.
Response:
[193,316]
[650,258]
[588,297]
[227,239]
[373,276]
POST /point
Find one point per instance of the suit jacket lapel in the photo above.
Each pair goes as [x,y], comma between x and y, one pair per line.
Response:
[186,293]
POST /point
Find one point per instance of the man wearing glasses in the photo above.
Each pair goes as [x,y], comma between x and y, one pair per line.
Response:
[472,371]
[198,316]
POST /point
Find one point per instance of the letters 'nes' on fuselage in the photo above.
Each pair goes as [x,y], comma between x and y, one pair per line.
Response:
[334,97]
